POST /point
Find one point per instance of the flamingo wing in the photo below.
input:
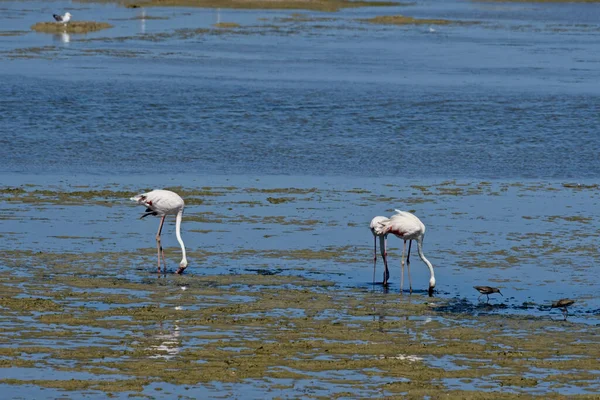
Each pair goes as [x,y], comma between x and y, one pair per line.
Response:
[161,202]
[405,225]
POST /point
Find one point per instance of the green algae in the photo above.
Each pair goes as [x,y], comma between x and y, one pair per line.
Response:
[123,385]
[403,20]
[284,327]
[570,218]
[29,304]
[290,345]
[71,27]
[282,190]
[12,33]
[579,185]
[46,52]
[316,5]
[279,200]
[227,25]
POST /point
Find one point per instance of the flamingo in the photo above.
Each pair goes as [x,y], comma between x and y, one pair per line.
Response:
[407,226]
[382,247]
[162,203]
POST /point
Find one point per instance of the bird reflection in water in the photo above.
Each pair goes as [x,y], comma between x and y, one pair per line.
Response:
[142,18]
[170,342]
[63,38]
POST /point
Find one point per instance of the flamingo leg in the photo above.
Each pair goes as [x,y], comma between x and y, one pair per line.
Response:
[402,268]
[408,266]
[159,246]
[374,256]
[384,254]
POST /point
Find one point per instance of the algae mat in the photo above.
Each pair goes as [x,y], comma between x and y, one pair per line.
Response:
[87,332]
[84,315]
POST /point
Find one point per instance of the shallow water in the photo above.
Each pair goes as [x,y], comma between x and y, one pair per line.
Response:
[286,136]
[514,96]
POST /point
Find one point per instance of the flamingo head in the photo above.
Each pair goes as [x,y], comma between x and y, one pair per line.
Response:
[182,266]
[431,286]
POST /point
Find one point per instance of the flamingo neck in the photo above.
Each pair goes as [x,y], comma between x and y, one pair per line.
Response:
[426,261]
[178,234]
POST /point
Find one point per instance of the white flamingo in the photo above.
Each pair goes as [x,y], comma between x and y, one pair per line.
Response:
[162,203]
[382,247]
[407,226]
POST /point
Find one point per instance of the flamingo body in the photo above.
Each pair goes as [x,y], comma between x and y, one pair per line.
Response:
[375,223]
[162,203]
[408,227]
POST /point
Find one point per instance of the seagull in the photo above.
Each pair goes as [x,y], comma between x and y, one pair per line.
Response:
[62,18]
[487,290]
[563,304]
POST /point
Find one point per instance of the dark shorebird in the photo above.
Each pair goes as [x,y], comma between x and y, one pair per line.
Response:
[563,304]
[487,290]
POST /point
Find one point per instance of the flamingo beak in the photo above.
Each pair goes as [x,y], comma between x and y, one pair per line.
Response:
[500,293]
[430,291]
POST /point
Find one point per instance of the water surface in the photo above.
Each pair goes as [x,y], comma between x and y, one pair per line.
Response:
[286,136]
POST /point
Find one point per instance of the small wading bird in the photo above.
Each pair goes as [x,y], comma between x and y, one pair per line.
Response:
[487,290]
[563,304]
[382,247]
[162,203]
[407,227]
[62,18]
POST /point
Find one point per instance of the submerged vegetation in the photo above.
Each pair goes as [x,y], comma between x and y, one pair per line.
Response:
[263,314]
[316,5]
[226,25]
[300,329]
[403,20]
[71,27]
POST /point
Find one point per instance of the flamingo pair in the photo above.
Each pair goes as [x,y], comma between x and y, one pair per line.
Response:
[403,224]
[407,227]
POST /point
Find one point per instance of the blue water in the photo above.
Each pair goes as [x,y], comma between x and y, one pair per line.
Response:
[365,114]
[514,96]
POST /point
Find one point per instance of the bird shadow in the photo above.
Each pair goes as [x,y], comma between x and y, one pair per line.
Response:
[379,287]
[154,271]
[464,306]
[265,271]
[392,289]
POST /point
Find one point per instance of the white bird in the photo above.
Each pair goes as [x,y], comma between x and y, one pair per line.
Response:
[407,226]
[62,18]
[162,203]
[382,247]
